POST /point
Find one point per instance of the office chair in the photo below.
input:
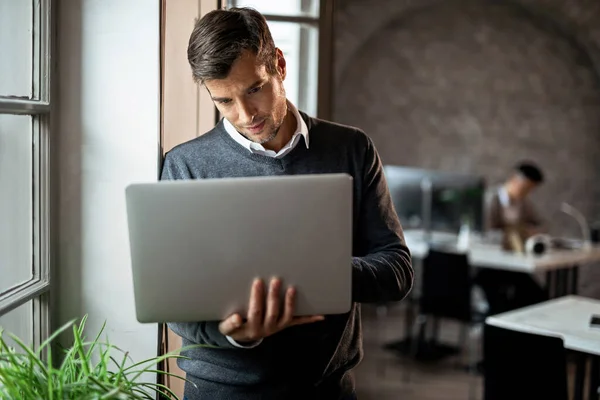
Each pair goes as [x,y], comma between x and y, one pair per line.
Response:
[519,365]
[446,292]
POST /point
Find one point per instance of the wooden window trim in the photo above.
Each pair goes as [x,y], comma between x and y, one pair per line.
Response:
[186,111]
[186,108]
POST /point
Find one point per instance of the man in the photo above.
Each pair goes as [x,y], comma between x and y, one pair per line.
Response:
[508,207]
[271,354]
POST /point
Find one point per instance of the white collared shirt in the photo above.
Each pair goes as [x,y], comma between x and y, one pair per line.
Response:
[503,197]
[301,130]
[511,210]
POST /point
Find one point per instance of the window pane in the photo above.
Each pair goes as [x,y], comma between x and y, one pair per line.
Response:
[300,46]
[16,208]
[16,48]
[19,322]
[308,8]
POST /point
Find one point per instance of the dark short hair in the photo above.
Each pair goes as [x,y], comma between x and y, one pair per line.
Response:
[530,171]
[220,37]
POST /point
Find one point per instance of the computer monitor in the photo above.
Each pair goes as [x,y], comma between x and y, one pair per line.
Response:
[436,200]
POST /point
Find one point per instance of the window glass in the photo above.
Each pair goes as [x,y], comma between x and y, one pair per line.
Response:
[16,48]
[19,322]
[299,44]
[16,208]
[308,8]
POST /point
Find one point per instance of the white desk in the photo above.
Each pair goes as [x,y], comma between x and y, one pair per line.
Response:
[493,256]
[567,317]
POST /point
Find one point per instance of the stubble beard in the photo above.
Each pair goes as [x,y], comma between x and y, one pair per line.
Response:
[277,126]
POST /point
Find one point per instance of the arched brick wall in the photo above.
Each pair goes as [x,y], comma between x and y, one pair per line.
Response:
[473,86]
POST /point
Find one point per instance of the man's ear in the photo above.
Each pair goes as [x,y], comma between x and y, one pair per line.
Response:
[280,63]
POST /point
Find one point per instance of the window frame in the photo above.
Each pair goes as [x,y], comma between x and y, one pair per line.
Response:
[38,107]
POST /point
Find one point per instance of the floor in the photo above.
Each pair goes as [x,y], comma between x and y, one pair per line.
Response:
[383,375]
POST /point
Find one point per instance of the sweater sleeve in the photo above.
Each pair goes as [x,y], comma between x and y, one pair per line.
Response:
[202,332]
[383,272]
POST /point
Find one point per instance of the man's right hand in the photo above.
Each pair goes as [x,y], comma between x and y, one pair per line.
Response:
[265,316]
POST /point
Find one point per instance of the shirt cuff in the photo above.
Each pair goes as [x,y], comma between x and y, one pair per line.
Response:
[243,346]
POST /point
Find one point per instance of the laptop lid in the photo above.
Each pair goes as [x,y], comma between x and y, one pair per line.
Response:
[197,245]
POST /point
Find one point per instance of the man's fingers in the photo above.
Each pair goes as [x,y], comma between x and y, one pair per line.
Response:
[288,318]
[273,304]
[230,324]
[288,310]
[264,311]
[306,320]
[256,305]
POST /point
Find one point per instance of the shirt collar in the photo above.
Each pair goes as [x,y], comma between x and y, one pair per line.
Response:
[301,129]
[503,197]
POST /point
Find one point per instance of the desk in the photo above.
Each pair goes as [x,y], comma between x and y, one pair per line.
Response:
[567,317]
[556,263]
[560,267]
[493,256]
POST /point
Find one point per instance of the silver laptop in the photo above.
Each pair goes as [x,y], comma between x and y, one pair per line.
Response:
[197,245]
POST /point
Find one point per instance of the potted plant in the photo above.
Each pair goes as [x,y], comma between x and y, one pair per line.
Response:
[84,371]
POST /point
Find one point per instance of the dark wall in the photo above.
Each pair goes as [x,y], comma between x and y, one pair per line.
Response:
[475,85]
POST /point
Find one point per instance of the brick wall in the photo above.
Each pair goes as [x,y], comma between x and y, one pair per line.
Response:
[473,86]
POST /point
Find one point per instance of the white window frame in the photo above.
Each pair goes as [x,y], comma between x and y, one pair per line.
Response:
[324,23]
[37,289]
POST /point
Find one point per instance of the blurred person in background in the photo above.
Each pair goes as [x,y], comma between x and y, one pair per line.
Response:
[509,207]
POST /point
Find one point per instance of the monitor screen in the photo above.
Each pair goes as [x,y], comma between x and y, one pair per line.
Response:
[455,198]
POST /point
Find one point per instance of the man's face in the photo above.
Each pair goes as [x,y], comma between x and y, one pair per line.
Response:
[522,186]
[250,98]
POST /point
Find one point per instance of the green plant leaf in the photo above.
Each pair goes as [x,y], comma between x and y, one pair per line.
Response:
[86,370]
[54,335]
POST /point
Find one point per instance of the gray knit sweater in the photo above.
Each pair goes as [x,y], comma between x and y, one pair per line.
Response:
[309,361]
